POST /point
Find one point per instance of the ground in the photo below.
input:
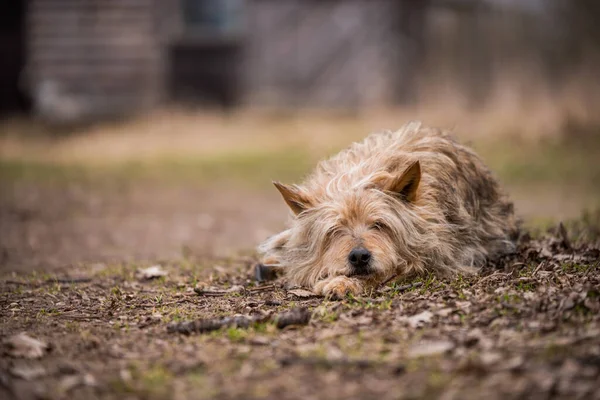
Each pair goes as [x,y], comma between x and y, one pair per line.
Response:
[83,213]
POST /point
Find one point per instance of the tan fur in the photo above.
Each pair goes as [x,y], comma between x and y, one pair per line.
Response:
[416,199]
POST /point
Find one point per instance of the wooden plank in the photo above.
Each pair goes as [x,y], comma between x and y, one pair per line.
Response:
[96,35]
[89,42]
[58,25]
[69,6]
[106,53]
[83,18]
[110,55]
[99,69]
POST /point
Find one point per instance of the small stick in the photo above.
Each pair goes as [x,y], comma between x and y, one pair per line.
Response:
[341,363]
[217,293]
[70,280]
[209,325]
[388,280]
[50,281]
[261,288]
[297,316]
[535,271]
[511,306]
[493,275]
[409,286]
[323,362]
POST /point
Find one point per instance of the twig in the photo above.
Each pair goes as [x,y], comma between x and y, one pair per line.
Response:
[540,265]
[409,286]
[297,316]
[388,280]
[323,362]
[495,274]
[261,288]
[211,293]
[218,293]
[511,306]
[69,280]
[591,267]
[11,282]
[49,281]
[517,264]
[209,325]
[343,362]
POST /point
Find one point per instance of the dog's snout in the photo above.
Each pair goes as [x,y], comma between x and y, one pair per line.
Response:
[359,257]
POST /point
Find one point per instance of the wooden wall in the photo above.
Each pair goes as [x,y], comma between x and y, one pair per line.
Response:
[107,57]
[93,57]
[307,53]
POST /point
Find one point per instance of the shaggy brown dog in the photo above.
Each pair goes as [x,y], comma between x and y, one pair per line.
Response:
[400,202]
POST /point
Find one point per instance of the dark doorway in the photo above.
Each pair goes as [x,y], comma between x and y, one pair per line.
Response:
[12,56]
[205,72]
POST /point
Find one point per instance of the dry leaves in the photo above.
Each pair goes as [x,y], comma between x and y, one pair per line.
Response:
[302,293]
[426,349]
[23,346]
[419,320]
[153,272]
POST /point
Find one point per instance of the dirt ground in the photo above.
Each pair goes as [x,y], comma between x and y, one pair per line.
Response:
[74,247]
[527,327]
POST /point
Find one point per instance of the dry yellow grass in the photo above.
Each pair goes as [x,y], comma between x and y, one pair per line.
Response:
[188,134]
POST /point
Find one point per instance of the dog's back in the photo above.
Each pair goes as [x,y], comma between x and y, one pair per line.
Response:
[454,182]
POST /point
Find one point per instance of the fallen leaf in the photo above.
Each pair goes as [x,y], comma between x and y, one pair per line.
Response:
[260,341]
[427,349]
[302,293]
[23,346]
[28,372]
[444,312]
[490,358]
[70,382]
[512,364]
[152,272]
[420,319]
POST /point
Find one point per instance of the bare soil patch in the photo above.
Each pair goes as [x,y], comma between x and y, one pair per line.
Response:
[49,226]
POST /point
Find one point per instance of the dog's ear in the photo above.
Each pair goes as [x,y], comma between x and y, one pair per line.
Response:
[407,183]
[294,197]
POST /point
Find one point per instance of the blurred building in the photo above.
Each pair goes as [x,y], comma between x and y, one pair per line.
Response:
[77,59]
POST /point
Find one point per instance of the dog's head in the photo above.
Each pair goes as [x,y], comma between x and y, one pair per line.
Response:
[351,227]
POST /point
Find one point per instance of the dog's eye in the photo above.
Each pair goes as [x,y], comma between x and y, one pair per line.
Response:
[379,226]
[331,232]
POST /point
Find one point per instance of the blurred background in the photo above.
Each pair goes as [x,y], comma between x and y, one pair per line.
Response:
[151,129]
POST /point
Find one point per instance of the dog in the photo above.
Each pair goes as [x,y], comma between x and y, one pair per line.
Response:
[396,204]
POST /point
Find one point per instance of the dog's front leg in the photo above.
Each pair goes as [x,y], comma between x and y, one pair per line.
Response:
[337,287]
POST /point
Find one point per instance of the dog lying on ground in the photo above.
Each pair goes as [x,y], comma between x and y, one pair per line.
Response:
[397,203]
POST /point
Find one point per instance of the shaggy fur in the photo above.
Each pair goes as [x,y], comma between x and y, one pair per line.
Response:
[414,199]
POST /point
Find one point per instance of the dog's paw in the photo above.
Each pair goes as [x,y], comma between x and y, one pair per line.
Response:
[337,288]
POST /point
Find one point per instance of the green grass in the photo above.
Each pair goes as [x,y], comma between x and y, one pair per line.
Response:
[251,167]
[562,162]
[515,162]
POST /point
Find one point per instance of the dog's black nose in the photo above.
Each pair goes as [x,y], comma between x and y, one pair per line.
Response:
[359,257]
